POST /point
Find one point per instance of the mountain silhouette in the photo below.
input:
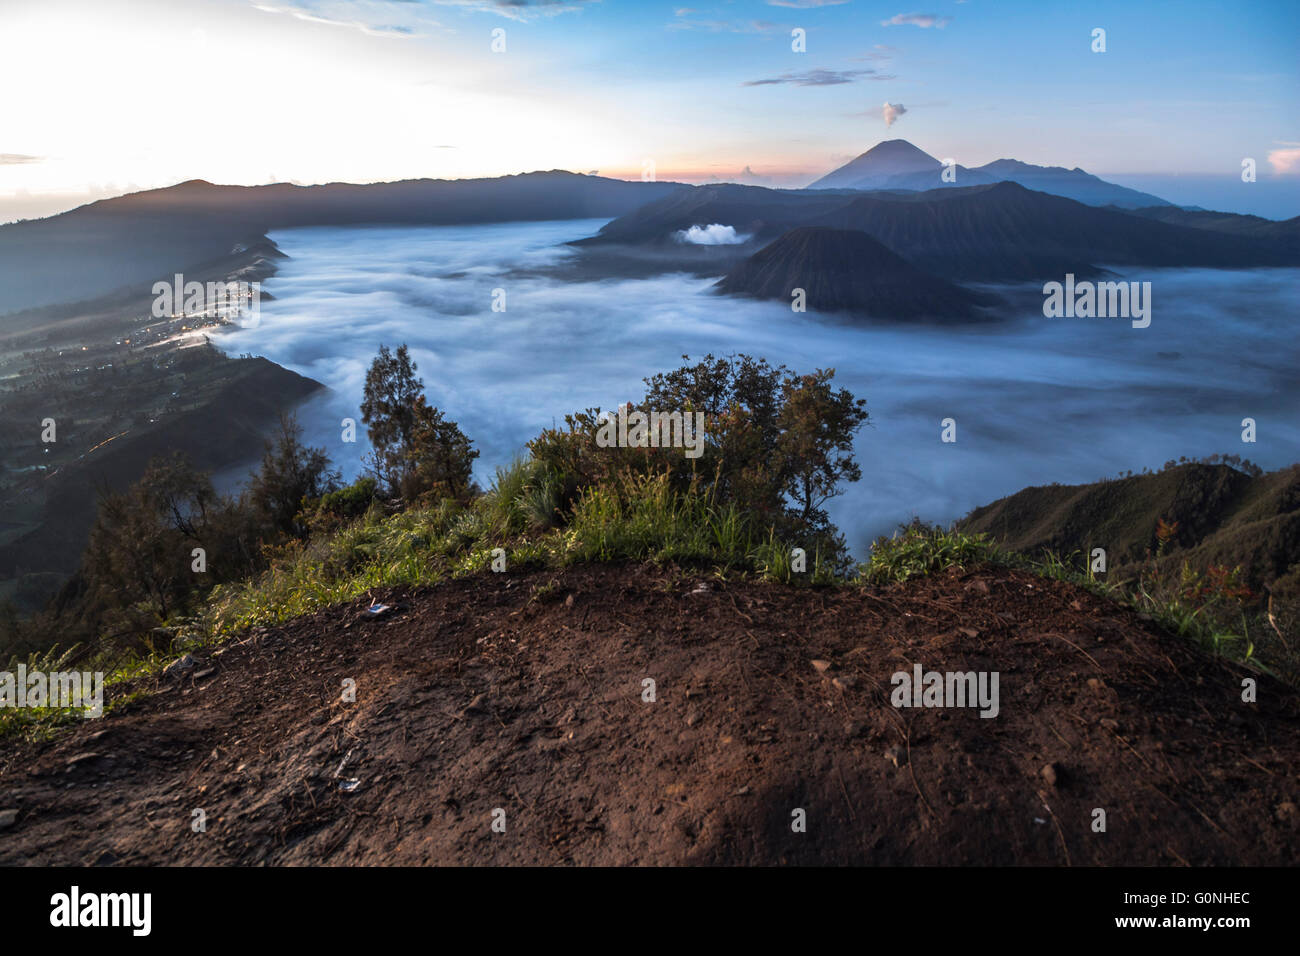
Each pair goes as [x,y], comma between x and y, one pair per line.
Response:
[991,233]
[138,238]
[847,271]
[897,164]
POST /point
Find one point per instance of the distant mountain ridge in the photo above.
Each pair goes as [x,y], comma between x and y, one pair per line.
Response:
[897,164]
[137,238]
[1001,232]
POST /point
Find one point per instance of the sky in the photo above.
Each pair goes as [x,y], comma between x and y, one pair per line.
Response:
[102,97]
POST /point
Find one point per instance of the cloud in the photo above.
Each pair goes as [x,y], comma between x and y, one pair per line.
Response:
[751,178]
[408,18]
[816,78]
[1285,162]
[17,159]
[805,4]
[922,20]
[714,234]
[880,51]
[374,19]
[892,111]
[727,26]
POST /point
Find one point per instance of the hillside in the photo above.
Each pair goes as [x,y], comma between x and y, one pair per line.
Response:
[227,406]
[523,693]
[1223,516]
[135,239]
[847,272]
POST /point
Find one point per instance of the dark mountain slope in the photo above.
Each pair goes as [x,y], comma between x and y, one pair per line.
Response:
[1005,231]
[136,239]
[1002,232]
[1285,231]
[843,271]
[1224,516]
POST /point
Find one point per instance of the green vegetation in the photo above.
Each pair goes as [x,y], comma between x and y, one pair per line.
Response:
[778,446]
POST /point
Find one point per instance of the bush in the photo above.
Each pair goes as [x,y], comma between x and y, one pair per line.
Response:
[919,549]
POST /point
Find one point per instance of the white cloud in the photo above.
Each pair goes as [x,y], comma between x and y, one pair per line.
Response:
[1286,161]
[922,20]
[892,111]
[714,234]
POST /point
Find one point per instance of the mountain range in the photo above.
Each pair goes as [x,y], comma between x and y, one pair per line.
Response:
[897,164]
[1003,232]
[133,239]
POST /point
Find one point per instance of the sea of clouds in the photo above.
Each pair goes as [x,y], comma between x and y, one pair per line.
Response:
[1036,400]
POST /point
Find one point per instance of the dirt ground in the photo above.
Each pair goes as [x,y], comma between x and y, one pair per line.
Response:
[520,700]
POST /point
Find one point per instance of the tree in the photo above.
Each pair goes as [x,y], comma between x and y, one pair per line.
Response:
[388,410]
[139,549]
[418,453]
[815,444]
[773,437]
[291,473]
[439,461]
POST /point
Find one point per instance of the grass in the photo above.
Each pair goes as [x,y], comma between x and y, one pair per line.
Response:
[635,518]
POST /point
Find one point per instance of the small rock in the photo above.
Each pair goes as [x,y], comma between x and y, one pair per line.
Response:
[968,631]
[1284,811]
[568,601]
[852,728]
[179,667]
[743,790]
[8,818]
[844,682]
[1096,683]
[82,758]
[476,705]
[1109,723]
[692,719]
[821,666]
[206,672]
[1049,773]
[896,755]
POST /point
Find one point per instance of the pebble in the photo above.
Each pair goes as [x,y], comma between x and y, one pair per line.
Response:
[821,666]
[7,818]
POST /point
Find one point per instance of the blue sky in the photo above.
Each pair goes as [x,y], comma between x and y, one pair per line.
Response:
[123,94]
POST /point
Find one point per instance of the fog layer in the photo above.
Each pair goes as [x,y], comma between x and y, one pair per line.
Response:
[1035,400]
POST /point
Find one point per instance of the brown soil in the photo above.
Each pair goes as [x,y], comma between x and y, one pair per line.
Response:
[501,692]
